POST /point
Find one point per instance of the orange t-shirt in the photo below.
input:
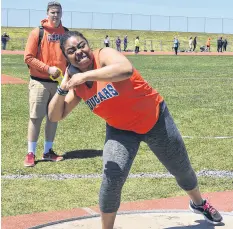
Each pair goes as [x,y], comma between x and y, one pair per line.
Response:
[48,54]
[208,42]
[130,104]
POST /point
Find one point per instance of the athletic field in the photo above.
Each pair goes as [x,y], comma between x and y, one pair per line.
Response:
[198,92]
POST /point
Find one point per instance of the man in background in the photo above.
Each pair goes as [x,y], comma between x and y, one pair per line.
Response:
[219,44]
[176,44]
[137,45]
[194,43]
[224,45]
[208,45]
[107,41]
[125,43]
[44,59]
[118,44]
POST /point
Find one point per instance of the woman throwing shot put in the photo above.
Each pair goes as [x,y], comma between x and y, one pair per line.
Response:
[134,112]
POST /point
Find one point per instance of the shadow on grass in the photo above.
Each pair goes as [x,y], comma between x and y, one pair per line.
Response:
[86,153]
[202,225]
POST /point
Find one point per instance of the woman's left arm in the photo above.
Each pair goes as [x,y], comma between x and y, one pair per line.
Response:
[114,67]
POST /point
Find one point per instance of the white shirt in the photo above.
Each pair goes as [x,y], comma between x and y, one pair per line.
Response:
[106,40]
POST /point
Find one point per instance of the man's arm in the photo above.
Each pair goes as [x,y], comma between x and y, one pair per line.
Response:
[31,52]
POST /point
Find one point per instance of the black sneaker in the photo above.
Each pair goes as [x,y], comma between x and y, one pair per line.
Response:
[210,213]
[52,156]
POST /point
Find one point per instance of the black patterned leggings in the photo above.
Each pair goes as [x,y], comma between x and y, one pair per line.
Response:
[121,148]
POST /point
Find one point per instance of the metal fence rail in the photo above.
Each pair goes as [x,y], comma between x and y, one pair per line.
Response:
[93,20]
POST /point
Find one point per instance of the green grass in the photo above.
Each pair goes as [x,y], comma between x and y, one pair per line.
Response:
[198,91]
[161,40]
[29,196]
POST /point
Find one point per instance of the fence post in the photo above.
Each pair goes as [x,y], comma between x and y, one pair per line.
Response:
[150,22]
[222,26]
[71,19]
[29,15]
[204,24]
[161,46]
[131,21]
[111,20]
[7,18]
[92,17]
[169,23]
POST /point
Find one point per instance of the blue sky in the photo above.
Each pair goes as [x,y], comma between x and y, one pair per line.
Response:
[194,8]
[190,8]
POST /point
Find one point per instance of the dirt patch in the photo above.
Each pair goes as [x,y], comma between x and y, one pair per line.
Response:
[5,79]
[13,52]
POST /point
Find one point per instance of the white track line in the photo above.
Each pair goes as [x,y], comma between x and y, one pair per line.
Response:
[90,211]
[209,137]
[202,173]
[192,78]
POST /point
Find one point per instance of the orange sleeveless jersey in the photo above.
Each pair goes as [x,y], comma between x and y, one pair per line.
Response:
[130,104]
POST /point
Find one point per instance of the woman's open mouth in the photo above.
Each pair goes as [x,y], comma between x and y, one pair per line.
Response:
[81,58]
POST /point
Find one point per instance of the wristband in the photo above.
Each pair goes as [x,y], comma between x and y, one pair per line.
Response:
[61,91]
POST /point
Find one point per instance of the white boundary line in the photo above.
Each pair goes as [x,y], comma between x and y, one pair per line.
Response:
[202,173]
[209,137]
[192,78]
[90,211]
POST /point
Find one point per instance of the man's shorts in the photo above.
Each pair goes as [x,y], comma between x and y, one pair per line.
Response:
[40,94]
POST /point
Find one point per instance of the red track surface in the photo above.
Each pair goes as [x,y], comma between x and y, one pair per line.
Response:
[11,80]
[221,200]
[150,53]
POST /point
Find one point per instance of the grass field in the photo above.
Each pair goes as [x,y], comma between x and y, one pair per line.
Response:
[161,41]
[198,92]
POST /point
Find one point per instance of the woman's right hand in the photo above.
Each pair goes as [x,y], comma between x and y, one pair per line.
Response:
[64,81]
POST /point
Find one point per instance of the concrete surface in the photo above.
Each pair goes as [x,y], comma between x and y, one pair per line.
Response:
[146,220]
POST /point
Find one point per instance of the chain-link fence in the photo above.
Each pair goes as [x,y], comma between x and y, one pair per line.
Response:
[92,20]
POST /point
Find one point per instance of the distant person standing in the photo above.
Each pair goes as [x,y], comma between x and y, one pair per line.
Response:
[137,45]
[208,45]
[5,38]
[194,43]
[118,44]
[190,44]
[219,44]
[176,45]
[225,45]
[107,41]
[125,43]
